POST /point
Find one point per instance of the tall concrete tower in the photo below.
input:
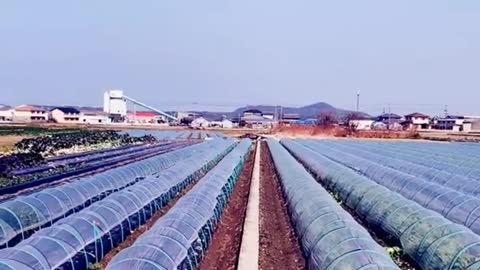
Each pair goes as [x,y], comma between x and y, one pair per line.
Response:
[114,102]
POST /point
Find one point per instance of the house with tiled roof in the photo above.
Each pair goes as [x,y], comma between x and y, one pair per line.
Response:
[30,114]
[65,115]
[417,121]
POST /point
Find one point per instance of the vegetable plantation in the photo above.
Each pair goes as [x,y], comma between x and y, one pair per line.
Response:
[34,157]
[432,222]
[186,202]
[33,131]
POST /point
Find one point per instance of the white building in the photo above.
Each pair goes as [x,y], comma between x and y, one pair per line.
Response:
[417,121]
[471,125]
[361,124]
[30,114]
[269,115]
[114,102]
[451,122]
[6,113]
[65,115]
[94,118]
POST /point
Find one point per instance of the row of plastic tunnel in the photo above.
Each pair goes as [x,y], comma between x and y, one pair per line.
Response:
[24,214]
[75,225]
[414,204]
[332,239]
[179,135]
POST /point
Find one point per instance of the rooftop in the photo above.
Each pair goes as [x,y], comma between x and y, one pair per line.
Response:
[293,116]
[253,111]
[27,107]
[389,115]
[4,107]
[417,114]
[143,114]
[70,110]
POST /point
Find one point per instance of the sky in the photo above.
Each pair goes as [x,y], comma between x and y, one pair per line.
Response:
[402,55]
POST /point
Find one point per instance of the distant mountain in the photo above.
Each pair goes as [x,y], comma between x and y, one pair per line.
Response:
[309,111]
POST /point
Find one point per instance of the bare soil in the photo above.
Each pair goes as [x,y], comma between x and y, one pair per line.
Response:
[279,246]
[7,142]
[225,247]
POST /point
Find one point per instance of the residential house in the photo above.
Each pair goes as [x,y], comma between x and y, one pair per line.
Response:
[457,123]
[65,115]
[389,121]
[290,118]
[269,115]
[388,118]
[255,119]
[416,121]
[30,114]
[450,122]
[6,113]
[252,112]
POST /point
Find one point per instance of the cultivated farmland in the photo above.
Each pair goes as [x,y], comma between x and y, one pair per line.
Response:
[199,200]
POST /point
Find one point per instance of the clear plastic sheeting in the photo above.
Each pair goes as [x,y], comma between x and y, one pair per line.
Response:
[386,156]
[330,237]
[452,158]
[179,239]
[85,237]
[431,240]
[449,201]
[24,214]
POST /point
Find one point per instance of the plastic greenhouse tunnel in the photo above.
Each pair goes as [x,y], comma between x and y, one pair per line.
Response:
[431,240]
[179,239]
[329,236]
[24,214]
[451,201]
[83,238]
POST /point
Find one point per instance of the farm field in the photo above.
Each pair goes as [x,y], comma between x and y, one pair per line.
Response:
[194,200]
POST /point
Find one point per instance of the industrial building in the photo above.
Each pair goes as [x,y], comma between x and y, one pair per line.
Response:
[95,118]
[255,119]
[115,103]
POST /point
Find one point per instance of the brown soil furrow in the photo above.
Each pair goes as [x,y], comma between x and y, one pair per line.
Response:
[225,247]
[279,247]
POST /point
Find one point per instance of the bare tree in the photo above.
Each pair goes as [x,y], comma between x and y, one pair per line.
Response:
[327,120]
[350,125]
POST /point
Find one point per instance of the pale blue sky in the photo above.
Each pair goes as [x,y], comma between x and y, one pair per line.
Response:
[214,52]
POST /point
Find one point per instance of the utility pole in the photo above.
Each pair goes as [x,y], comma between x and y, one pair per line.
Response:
[275,115]
[281,114]
[389,116]
[358,101]
[446,115]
